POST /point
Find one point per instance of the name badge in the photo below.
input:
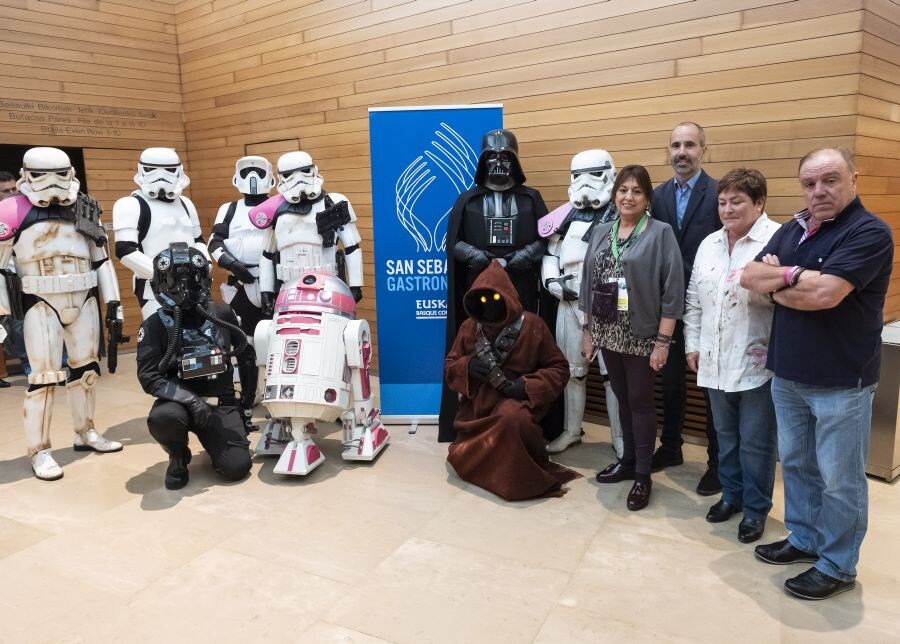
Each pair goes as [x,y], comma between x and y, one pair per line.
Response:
[622,300]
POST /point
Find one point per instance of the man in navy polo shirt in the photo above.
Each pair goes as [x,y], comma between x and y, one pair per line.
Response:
[828,272]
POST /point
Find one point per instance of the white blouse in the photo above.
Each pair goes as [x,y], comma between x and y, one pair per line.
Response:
[725,322]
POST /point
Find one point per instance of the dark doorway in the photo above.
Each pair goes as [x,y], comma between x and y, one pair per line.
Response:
[11,160]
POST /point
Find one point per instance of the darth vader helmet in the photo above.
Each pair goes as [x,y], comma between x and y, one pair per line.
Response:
[498,163]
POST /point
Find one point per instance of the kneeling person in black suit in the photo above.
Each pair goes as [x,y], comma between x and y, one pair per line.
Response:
[184,360]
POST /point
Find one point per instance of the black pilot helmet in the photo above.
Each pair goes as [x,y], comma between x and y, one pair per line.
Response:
[181,277]
[498,163]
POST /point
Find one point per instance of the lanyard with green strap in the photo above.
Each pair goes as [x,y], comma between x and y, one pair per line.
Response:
[615,236]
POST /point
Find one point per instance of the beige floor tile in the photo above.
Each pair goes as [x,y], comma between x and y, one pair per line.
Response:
[126,549]
[325,633]
[431,592]
[223,596]
[15,536]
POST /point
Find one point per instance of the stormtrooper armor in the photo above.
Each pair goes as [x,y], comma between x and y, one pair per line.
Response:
[58,246]
[152,217]
[568,229]
[304,224]
[237,245]
[316,356]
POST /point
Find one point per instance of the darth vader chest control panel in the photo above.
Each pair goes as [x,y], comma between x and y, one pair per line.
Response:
[500,230]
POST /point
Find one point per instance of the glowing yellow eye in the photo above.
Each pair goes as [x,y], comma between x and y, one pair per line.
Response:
[496,296]
[483,299]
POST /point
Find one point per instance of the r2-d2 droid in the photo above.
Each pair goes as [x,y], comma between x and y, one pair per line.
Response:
[316,357]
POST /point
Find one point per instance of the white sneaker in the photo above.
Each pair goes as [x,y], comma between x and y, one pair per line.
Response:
[45,468]
[563,442]
[93,441]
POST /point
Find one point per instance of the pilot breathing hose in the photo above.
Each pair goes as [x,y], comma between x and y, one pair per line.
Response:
[174,343]
[242,343]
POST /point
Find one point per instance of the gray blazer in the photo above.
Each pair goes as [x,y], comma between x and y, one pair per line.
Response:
[653,271]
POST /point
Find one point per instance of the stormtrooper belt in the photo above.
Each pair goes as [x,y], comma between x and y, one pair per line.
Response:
[44,284]
[289,273]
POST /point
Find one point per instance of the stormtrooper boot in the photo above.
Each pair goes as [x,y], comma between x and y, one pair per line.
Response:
[82,400]
[575,398]
[45,468]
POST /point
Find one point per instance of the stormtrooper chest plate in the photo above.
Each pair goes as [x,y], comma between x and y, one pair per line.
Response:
[169,222]
[45,240]
[245,241]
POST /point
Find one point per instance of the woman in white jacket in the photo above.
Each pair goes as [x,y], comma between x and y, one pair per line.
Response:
[726,329]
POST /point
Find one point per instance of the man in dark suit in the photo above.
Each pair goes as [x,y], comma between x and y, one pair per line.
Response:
[689,204]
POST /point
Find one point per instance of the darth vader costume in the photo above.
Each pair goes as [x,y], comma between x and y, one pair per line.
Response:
[497,219]
[184,360]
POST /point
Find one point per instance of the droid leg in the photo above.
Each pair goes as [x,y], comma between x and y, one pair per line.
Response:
[300,456]
[274,436]
[568,337]
[82,338]
[44,347]
[364,435]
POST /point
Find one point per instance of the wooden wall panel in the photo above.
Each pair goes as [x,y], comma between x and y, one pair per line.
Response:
[98,75]
[770,79]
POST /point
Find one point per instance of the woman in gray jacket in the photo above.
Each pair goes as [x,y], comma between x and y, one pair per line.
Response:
[632,294]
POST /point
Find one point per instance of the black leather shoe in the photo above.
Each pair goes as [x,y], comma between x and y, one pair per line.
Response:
[782,553]
[177,472]
[663,458]
[709,482]
[616,472]
[751,530]
[4,384]
[639,496]
[722,511]
[814,584]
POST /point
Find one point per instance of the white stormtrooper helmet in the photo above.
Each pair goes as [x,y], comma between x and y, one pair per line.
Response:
[299,177]
[160,173]
[253,176]
[593,173]
[47,177]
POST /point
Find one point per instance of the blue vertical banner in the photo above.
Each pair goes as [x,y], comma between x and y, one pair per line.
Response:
[423,158]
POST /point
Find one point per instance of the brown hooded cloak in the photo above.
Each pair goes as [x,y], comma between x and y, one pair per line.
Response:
[499,445]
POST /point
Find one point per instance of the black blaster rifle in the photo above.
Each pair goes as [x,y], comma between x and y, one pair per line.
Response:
[114,327]
[331,219]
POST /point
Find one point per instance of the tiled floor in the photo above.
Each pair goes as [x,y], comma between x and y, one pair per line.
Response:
[398,551]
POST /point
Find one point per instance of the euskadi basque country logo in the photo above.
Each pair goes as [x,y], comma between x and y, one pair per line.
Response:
[450,158]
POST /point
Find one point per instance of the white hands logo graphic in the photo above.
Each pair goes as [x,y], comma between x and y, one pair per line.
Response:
[457,161]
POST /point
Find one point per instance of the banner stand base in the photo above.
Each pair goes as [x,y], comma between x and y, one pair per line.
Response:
[412,420]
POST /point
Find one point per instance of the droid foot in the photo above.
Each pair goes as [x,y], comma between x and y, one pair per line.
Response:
[272,439]
[299,458]
[372,440]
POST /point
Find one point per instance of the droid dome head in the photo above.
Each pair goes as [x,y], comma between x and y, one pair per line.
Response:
[181,277]
[47,177]
[253,176]
[593,174]
[298,177]
[498,163]
[160,174]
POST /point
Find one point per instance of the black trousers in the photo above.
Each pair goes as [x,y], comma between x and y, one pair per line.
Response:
[223,438]
[632,381]
[674,395]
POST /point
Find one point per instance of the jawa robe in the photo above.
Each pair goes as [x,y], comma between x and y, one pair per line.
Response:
[499,444]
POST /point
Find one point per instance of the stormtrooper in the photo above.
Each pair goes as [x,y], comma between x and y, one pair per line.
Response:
[568,230]
[317,355]
[237,245]
[184,360]
[152,217]
[58,245]
[304,224]
[496,219]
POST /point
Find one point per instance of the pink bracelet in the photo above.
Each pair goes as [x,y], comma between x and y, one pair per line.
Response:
[787,274]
